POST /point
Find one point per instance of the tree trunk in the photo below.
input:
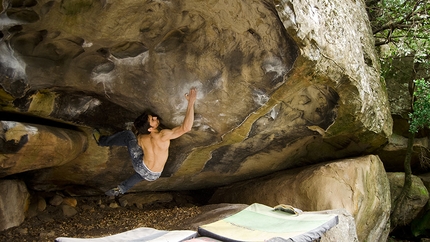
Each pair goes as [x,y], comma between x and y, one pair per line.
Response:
[396,217]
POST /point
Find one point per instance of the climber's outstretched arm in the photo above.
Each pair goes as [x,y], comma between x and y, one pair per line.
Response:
[187,124]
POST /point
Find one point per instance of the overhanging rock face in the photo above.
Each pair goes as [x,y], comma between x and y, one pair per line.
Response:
[280,84]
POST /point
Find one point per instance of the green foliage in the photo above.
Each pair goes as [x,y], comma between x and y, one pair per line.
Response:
[402,32]
[420,117]
[421,225]
[402,29]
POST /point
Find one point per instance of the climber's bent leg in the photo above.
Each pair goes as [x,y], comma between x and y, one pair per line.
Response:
[142,173]
[129,183]
[127,138]
[123,138]
[133,180]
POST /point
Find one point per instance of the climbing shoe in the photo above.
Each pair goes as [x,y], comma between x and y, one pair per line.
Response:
[114,192]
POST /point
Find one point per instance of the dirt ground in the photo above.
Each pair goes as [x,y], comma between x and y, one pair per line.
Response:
[97,217]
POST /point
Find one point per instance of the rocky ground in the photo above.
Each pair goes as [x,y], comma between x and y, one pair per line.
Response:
[96,217]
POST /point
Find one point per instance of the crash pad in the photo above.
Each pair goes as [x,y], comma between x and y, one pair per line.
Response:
[263,223]
[139,234]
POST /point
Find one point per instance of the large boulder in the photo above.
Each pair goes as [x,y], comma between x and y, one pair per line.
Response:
[414,202]
[420,226]
[280,84]
[26,147]
[359,185]
[14,202]
[394,152]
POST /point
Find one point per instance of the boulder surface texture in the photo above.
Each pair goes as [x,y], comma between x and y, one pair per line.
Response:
[14,201]
[414,202]
[281,84]
[359,185]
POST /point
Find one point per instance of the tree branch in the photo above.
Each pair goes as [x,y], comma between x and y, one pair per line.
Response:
[393,25]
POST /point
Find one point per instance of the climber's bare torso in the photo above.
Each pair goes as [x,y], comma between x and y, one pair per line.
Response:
[155,145]
[155,150]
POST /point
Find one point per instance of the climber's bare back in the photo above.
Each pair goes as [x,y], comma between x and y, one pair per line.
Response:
[156,144]
[155,151]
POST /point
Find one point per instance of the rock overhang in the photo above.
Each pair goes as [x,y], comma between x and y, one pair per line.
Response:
[273,94]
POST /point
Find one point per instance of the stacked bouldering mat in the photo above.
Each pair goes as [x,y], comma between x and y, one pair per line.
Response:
[255,223]
[262,223]
[139,234]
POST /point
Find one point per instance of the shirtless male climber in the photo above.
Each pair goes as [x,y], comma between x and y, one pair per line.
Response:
[150,140]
